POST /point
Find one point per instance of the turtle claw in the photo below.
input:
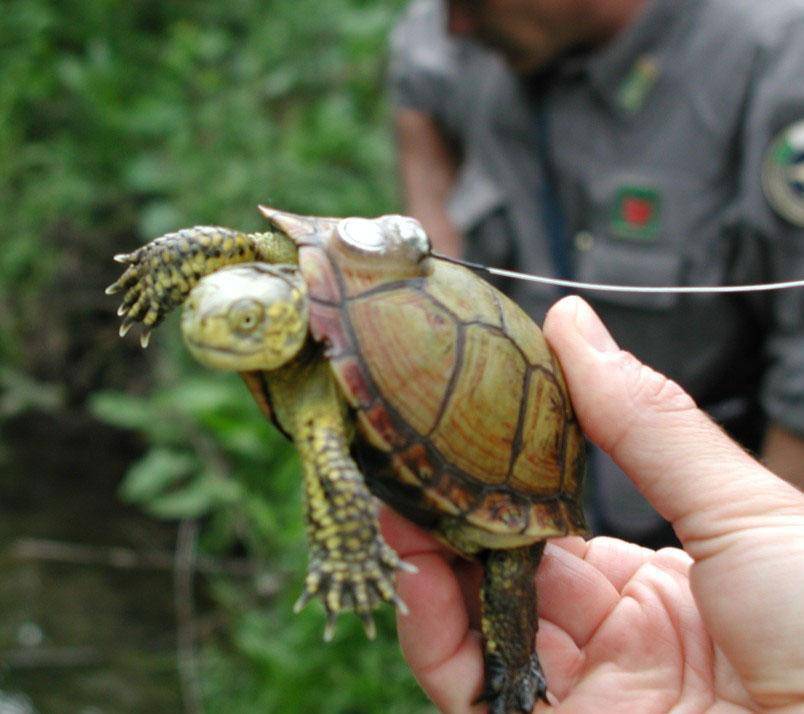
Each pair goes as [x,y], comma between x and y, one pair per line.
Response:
[155,281]
[400,605]
[358,583]
[513,689]
[368,625]
[329,628]
[125,327]
[145,338]
[302,601]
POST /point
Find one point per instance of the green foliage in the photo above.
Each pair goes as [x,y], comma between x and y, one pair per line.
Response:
[18,393]
[119,122]
[120,118]
[213,455]
[353,676]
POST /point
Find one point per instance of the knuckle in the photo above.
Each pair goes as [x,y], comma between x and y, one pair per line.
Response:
[648,398]
[649,389]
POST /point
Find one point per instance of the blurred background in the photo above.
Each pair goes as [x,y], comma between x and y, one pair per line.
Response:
[151,537]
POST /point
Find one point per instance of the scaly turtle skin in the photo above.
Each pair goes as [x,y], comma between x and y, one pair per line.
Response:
[396,373]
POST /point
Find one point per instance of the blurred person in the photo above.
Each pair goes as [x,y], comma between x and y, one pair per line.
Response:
[625,628]
[640,142]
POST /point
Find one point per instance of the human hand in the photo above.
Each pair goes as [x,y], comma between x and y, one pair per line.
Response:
[624,628]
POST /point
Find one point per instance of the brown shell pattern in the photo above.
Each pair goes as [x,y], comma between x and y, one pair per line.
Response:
[457,384]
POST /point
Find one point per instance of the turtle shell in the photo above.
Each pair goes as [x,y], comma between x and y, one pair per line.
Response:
[455,384]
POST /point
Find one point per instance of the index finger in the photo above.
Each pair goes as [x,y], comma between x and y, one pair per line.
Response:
[443,652]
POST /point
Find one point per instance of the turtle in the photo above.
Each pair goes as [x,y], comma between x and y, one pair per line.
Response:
[399,374]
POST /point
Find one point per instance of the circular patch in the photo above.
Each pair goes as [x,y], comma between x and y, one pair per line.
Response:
[363,234]
[783,174]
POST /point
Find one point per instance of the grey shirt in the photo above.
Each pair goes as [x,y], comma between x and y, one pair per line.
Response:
[654,149]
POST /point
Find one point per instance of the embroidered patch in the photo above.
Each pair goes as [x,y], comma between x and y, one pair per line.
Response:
[783,173]
[635,213]
[635,88]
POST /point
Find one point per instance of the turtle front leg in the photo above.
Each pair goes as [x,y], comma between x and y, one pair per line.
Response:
[513,675]
[159,275]
[351,566]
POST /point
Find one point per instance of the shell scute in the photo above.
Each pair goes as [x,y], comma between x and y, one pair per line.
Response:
[501,512]
[303,230]
[389,327]
[479,424]
[353,381]
[321,279]
[467,298]
[456,384]
[539,464]
[360,279]
[327,326]
[521,329]
[413,465]
[574,459]
[416,459]
[381,428]
[450,494]
[549,518]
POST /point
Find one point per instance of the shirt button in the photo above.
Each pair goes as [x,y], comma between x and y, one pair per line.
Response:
[584,241]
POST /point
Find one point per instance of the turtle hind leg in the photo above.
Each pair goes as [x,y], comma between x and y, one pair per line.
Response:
[513,676]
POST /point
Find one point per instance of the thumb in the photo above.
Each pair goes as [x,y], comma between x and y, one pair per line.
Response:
[685,465]
[741,524]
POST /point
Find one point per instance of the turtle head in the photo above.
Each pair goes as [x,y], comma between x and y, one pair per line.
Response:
[252,316]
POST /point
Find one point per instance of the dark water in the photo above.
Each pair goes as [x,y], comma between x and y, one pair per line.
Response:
[81,636]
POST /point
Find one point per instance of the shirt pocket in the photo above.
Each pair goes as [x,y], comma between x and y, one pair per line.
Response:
[602,260]
[644,230]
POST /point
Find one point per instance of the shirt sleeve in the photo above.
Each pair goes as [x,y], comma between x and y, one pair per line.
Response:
[423,72]
[772,202]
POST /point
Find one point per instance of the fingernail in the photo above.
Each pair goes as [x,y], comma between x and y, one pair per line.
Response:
[591,329]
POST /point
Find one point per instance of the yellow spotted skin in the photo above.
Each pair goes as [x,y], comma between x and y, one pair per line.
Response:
[514,677]
[159,275]
[351,567]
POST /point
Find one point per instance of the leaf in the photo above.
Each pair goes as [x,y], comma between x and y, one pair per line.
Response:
[124,410]
[221,491]
[190,502]
[205,492]
[205,395]
[20,392]
[158,470]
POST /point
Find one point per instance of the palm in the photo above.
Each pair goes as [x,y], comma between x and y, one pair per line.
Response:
[618,627]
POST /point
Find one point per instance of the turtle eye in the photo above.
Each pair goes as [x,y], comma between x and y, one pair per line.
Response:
[245,316]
